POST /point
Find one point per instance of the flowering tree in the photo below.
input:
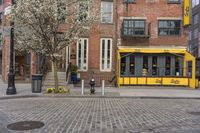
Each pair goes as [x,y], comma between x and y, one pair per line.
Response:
[48,26]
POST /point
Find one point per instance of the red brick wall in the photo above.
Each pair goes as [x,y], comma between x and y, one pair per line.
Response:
[152,11]
[141,9]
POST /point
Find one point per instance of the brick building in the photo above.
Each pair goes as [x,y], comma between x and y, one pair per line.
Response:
[137,42]
[194,37]
[1,19]
[152,44]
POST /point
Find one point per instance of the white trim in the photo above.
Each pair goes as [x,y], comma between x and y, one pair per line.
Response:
[82,53]
[67,56]
[105,55]
[111,10]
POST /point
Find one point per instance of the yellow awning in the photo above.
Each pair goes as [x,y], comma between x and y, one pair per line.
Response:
[152,49]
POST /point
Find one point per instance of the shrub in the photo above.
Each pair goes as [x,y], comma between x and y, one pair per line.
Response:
[61,89]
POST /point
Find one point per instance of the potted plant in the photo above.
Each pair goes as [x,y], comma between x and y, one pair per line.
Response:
[73,72]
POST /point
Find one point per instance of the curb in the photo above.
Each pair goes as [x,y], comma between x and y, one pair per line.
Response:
[86,96]
[17,97]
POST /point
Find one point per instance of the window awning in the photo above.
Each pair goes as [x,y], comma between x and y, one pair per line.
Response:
[152,49]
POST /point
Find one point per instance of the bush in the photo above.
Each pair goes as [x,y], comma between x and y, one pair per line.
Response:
[61,89]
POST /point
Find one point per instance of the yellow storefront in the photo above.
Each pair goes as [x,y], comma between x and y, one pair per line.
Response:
[156,66]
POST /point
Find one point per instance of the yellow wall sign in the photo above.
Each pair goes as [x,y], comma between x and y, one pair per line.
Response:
[186,12]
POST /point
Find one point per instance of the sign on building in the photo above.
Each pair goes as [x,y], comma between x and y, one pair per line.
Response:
[186,12]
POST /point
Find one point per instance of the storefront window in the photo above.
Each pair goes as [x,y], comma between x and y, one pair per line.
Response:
[154,65]
[177,66]
[167,65]
[132,65]
[123,64]
[145,65]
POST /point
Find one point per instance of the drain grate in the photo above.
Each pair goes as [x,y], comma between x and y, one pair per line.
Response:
[25,125]
[194,113]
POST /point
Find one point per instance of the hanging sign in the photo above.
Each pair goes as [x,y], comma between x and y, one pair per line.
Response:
[186,12]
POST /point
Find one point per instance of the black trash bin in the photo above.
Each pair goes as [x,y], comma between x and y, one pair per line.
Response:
[37,83]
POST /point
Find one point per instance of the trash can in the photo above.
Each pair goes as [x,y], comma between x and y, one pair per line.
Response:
[37,83]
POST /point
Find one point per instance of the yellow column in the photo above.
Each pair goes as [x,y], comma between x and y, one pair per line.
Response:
[119,68]
[192,80]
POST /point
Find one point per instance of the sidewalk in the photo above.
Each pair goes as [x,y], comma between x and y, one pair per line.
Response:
[24,90]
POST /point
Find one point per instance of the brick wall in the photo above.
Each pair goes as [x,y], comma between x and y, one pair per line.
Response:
[152,11]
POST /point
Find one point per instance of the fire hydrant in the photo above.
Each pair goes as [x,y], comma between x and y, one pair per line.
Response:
[92,85]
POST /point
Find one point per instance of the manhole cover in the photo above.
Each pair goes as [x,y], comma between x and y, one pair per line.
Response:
[194,113]
[25,125]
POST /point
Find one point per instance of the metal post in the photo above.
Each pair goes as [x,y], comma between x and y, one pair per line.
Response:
[11,90]
[103,87]
[82,87]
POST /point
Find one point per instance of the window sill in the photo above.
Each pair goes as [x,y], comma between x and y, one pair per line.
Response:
[134,2]
[173,2]
[106,23]
[169,35]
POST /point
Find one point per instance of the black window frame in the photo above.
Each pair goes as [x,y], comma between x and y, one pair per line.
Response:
[133,30]
[169,29]
[130,1]
[174,2]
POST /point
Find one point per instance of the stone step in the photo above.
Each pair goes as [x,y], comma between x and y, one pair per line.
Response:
[52,84]
[51,74]
[52,79]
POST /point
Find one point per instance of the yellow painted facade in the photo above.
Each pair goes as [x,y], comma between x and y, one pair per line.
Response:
[163,81]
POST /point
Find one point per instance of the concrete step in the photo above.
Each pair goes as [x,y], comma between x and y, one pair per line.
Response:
[52,79]
[62,76]
[51,74]
[52,84]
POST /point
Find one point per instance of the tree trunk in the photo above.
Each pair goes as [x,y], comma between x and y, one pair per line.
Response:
[55,71]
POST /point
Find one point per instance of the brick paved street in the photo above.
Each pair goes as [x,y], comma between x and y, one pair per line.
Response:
[99,115]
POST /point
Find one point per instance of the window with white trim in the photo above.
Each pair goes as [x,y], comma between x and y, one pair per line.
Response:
[106,12]
[82,54]
[106,54]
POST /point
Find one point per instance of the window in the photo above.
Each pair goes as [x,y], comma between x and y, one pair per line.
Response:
[1,18]
[190,35]
[196,33]
[83,11]
[174,1]
[129,1]
[195,2]
[195,19]
[82,54]
[167,65]
[145,66]
[169,27]
[154,65]
[133,27]
[106,54]
[123,64]
[132,65]
[106,12]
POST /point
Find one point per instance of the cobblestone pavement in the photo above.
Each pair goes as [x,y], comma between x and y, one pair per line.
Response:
[102,115]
